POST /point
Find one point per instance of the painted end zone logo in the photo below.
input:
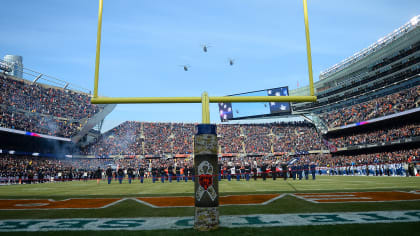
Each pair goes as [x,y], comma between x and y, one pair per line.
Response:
[225,221]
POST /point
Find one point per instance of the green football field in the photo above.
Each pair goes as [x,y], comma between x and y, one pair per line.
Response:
[321,184]
[288,204]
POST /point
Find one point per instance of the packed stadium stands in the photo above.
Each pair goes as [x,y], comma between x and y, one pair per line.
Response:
[385,134]
[390,104]
[159,139]
[42,109]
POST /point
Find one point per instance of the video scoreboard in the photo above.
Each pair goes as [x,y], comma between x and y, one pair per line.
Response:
[238,111]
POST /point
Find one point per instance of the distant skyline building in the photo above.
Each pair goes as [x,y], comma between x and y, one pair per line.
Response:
[15,62]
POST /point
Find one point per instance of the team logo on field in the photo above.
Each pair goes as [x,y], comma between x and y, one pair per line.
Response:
[229,221]
[205,179]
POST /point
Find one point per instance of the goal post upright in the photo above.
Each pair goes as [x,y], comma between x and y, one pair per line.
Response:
[98,49]
[308,48]
[205,141]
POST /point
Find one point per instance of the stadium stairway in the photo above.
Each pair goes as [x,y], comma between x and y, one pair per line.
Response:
[94,120]
[317,121]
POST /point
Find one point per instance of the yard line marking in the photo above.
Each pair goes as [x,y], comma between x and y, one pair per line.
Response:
[155,202]
[340,198]
[48,204]
[328,196]
[186,201]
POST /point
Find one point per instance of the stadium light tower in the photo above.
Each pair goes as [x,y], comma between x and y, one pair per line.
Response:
[205,143]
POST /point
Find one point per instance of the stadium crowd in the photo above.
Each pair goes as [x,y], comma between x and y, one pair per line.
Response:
[158,139]
[38,123]
[380,135]
[29,169]
[390,104]
[42,109]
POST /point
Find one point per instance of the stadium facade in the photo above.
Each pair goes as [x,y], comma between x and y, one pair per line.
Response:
[389,65]
[386,70]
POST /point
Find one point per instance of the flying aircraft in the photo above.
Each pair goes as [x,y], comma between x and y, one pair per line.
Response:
[205,47]
[231,61]
[185,67]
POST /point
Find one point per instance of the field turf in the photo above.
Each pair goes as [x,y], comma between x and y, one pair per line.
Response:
[288,204]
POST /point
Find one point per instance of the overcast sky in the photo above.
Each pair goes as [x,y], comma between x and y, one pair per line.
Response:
[144,44]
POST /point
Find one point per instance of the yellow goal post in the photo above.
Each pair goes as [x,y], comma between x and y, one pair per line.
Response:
[205,100]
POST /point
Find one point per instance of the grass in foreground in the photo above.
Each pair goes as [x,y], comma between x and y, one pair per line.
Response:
[288,204]
[130,208]
[321,184]
[342,230]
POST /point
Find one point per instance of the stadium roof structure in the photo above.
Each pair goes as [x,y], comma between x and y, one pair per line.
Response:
[205,100]
[401,31]
[36,77]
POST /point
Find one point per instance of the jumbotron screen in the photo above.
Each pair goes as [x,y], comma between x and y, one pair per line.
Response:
[238,110]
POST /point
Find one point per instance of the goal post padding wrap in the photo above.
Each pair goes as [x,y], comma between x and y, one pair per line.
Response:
[206,186]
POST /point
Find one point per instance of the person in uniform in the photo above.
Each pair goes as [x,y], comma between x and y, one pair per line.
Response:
[228,171]
[242,169]
[264,171]
[31,177]
[273,171]
[162,173]
[130,173]
[284,169]
[70,174]
[191,172]
[178,172]
[116,174]
[98,175]
[40,176]
[154,173]
[109,174]
[85,176]
[313,166]
[255,172]
[299,170]
[238,171]
[294,169]
[141,173]
[247,171]
[120,174]
[306,170]
[170,172]
[186,172]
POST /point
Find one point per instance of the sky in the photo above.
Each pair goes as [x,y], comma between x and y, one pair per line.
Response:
[145,44]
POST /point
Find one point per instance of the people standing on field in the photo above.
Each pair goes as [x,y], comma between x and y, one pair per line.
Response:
[109,174]
[120,174]
[98,175]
